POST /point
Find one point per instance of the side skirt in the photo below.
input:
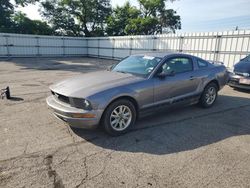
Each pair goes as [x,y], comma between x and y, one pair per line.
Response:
[186,101]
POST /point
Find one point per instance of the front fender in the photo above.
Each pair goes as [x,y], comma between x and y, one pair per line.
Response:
[103,99]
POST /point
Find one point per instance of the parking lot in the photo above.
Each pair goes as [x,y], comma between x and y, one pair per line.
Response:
[185,147]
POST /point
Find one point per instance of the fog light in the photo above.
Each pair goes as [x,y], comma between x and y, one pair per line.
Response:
[79,115]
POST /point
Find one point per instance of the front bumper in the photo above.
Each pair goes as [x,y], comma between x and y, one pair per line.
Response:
[234,81]
[66,113]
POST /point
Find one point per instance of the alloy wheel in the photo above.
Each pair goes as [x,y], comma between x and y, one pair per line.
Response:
[120,118]
[210,95]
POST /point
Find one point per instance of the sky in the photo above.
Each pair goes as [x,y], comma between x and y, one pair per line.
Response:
[196,15]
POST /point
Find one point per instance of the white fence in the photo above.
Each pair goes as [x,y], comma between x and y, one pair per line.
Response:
[228,47]
[16,45]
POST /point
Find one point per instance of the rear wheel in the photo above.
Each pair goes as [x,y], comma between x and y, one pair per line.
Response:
[209,95]
[119,117]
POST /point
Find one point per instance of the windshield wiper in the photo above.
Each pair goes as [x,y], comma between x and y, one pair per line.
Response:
[122,72]
[131,73]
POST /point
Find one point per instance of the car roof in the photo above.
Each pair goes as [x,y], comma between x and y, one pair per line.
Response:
[160,54]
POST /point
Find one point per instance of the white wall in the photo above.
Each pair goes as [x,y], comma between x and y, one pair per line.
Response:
[16,45]
[228,47]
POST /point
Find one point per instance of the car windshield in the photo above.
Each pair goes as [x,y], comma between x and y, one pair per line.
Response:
[139,65]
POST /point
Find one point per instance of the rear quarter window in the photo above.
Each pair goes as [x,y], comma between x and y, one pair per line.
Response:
[248,58]
[202,63]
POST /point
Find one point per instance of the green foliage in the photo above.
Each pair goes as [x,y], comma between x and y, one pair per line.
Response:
[141,26]
[25,2]
[77,17]
[120,18]
[11,22]
[151,18]
[24,25]
[6,10]
[151,7]
[63,23]
[91,18]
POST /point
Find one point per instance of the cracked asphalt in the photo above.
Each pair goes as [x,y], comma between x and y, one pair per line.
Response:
[184,147]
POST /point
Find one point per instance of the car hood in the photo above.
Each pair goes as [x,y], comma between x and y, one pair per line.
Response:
[242,67]
[92,83]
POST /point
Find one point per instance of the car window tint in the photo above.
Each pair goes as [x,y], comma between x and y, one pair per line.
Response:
[201,63]
[177,65]
[248,58]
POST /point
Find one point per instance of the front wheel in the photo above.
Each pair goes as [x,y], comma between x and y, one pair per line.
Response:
[119,117]
[209,95]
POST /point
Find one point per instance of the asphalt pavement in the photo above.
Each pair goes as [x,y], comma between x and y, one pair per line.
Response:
[183,147]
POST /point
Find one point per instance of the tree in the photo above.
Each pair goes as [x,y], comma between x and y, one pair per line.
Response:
[25,2]
[169,21]
[63,23]
[24,25]
[91,18]
[151,18]
[6,10]
[141,26]
[167,18]
[12,22]
[120,18]
[77,17]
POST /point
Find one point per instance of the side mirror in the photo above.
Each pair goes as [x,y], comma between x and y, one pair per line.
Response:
[110,67]
[162,75]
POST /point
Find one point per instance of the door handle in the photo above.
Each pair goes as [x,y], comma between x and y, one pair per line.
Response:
[191,78]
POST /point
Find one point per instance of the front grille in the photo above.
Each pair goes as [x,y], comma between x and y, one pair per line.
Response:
[235,82]
[244,74]
[239,73]
[61,97]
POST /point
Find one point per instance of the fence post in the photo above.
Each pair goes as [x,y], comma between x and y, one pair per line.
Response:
[87,46]
[181,44]
[154,43]
[131,46]
[113,48]
[248,44]
[7,45]
[217,47]
[63,46]
[98,47]
[237,40]
[37,46]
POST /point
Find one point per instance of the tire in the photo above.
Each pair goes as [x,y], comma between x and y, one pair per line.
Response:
[209,95]
[119,117]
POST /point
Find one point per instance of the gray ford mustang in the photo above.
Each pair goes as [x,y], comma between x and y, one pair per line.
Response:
[136,86]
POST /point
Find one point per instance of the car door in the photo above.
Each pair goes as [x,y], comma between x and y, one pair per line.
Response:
[179,84]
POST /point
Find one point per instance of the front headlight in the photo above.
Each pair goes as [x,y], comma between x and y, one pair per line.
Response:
[86,104]
[246,74]
[81,103]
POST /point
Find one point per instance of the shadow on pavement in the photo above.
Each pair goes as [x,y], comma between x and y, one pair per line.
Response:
[16,99]
[178,130]
[77,64]
[242,90]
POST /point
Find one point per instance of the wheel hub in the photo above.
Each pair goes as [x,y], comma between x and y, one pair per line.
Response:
[121,118]
[210,95]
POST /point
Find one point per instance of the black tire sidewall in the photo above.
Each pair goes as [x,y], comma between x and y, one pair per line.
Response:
[106,117]
[203,101]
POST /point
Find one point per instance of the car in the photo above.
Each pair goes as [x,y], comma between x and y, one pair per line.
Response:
[240,77]
[136,86]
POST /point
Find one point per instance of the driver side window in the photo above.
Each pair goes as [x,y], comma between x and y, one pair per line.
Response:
[177,65]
